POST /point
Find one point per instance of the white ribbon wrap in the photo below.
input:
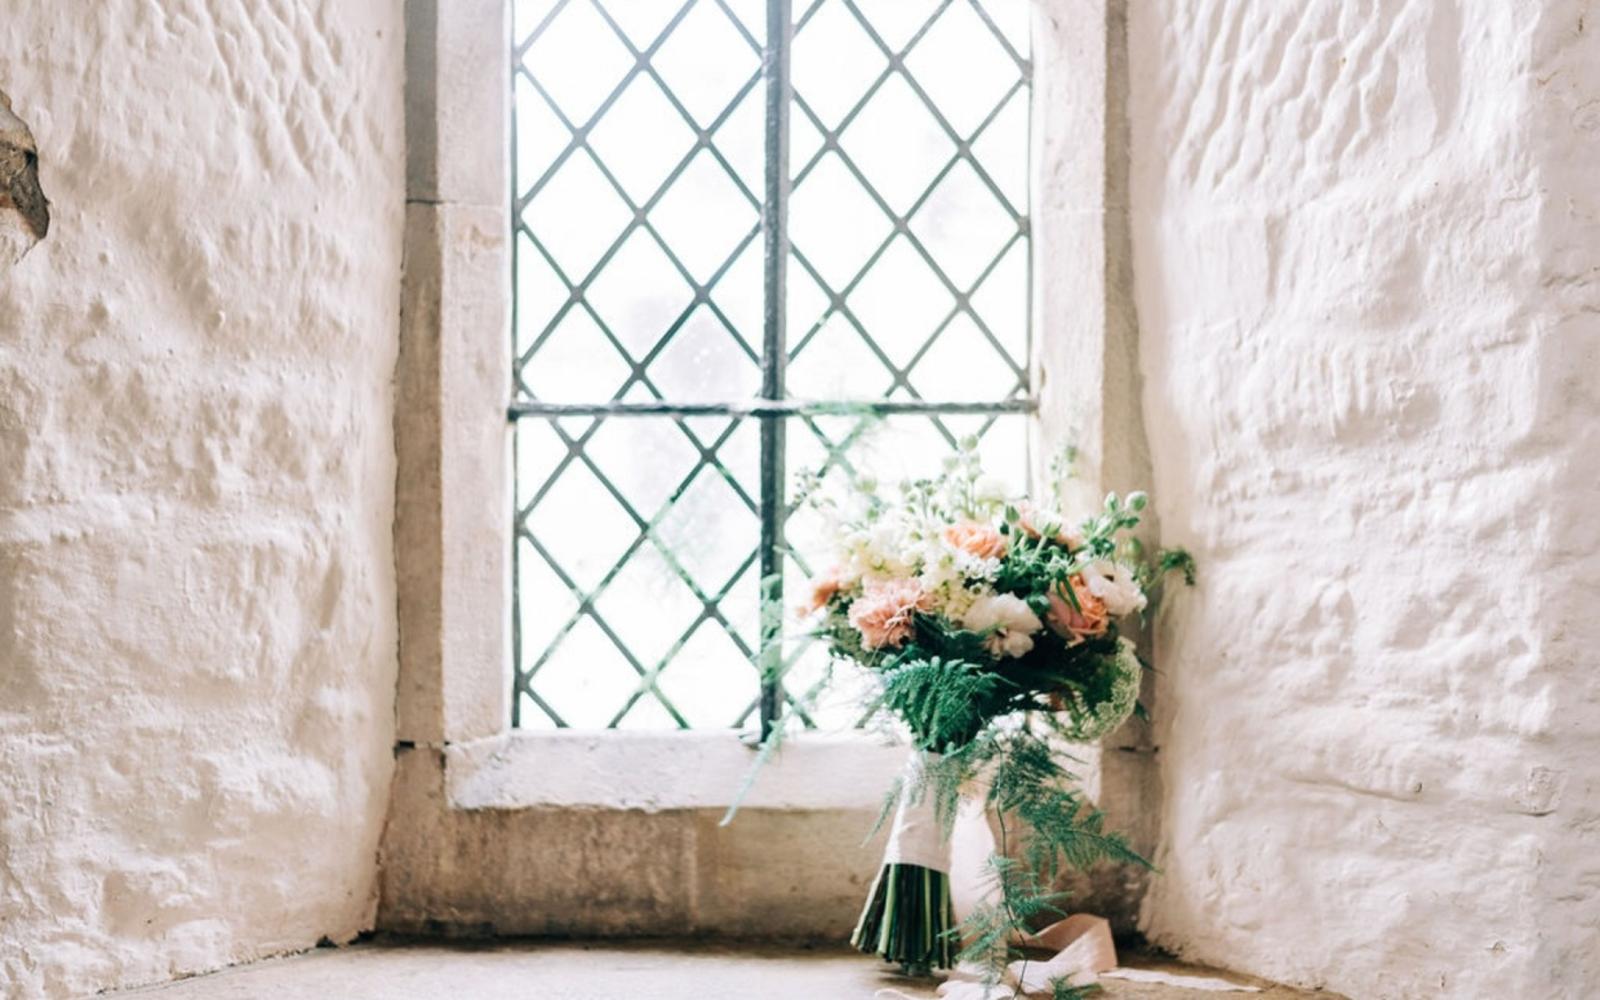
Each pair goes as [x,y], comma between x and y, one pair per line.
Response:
[917,838]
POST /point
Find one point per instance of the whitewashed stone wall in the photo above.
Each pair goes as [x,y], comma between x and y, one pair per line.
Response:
[197,635]
[1367,257]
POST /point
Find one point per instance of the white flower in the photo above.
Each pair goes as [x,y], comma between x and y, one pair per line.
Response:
[1012,621]
[1116,587]
[877,552]
[974,567]
[991,489]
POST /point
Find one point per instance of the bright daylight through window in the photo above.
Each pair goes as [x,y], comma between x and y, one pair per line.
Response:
[678,361]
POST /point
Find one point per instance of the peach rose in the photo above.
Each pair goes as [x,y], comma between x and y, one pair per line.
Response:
[982,541]
[882,614]
[824,589]
[1075,624]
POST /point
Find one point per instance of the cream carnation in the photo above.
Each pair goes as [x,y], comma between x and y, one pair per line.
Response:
[1116,587]
[1011,620]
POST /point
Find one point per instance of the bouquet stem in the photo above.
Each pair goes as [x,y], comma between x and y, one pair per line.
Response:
[908,918]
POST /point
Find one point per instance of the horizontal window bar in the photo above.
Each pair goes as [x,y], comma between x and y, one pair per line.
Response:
[767,408]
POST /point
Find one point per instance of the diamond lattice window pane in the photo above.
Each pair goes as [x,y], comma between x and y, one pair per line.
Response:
[648,606]
[540,294]
[807,306]
[960,38]
[963,225]
[704,216]
[545,605]
[586,677]
[838,705]
[575,363]
[710,678]
[705,61]
[835,223]
[579,60]
[752,14]
[642,20]
[648,713]
[526,15]
[708,531]
[742,607]
[897,144]
[834,61]
[901,302]
[961,364]
[646,460]
[741,139]
[639,294]
[838,363]
[540,135]
[805,144]
[582,526]
[540,453]
[739,294]
[1002,149]
[897,21]
[641,138]
[703,361]
[739,451]
[1011,17]
[577,215]
[905,446]
[1002,301]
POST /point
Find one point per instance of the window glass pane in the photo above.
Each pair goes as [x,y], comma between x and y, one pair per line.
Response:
[641,137]
[620,205]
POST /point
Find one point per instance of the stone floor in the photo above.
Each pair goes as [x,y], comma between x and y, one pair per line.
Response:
[568,971]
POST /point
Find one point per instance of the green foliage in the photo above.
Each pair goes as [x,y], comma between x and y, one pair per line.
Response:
[945,702]
[1028,785]
[1179,560]
[990,928]
[1060,989]
[1032,566]
[1102,699]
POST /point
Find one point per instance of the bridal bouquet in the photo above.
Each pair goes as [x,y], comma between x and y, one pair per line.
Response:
[993,630]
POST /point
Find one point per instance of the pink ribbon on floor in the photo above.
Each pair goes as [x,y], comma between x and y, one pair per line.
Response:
[1083,949]
[1084,952]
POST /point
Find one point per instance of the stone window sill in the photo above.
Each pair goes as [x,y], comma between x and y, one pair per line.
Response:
[656,772]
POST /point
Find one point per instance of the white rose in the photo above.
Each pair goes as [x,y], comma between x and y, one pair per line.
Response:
[1116,587]
[1012,621]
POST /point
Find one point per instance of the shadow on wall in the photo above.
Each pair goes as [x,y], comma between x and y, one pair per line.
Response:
[24,210]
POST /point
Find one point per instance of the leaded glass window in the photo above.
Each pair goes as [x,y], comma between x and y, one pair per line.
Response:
[750,237]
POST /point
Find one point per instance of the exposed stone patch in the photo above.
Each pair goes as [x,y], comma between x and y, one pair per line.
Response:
[24,210]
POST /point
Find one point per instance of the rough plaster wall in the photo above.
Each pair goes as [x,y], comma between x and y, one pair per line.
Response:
[1368,277]
[197,641]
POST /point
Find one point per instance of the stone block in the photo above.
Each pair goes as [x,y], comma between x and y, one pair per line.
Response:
[458,95]
[453,514]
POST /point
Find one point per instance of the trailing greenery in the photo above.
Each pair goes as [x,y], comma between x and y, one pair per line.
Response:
[1046,825]
[998,634]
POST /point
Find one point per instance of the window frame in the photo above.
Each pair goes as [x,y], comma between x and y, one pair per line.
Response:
[773,407]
